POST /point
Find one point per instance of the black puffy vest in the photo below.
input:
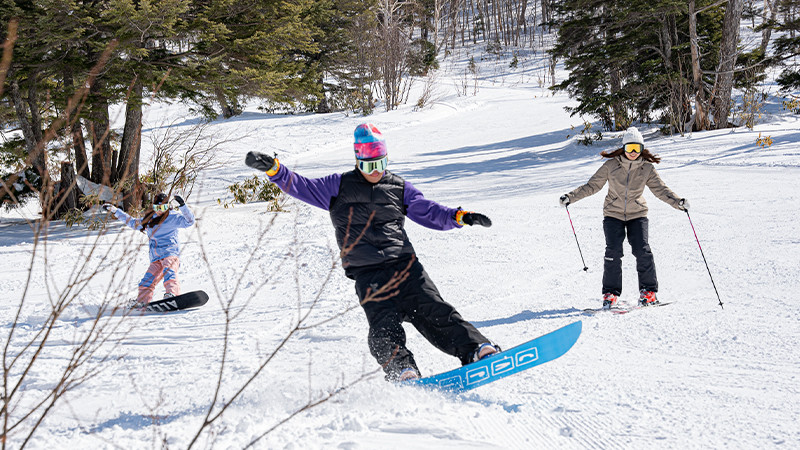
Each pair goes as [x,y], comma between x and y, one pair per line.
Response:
[385,239]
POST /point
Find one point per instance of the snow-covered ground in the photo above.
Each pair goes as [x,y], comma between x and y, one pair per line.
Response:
[688,375]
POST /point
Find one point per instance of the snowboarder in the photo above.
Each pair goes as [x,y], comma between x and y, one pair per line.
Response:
[161,228]
[368,206]
[628,170]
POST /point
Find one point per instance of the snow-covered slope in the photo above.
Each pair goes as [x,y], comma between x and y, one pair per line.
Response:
[689,375]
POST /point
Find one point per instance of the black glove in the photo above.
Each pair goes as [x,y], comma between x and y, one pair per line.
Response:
[179,199]
[564,199]
[473,218]
[683,205]
[109,207]
[259,161]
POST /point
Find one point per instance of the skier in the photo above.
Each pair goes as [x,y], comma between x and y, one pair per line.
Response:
[628,170]
[161,228]
[368,206]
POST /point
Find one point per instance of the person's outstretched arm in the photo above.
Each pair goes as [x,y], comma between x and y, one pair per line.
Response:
[124,217]
[436,216]
[314,191]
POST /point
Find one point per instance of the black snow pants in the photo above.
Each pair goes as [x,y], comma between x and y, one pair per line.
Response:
[416,301]
[615,231]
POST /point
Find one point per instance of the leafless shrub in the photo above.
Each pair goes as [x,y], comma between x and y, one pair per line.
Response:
[25,351]
[392,59]
[180,154]
[430,91]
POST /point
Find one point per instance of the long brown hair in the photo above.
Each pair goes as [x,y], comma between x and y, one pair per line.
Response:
[646,155]
[152,219]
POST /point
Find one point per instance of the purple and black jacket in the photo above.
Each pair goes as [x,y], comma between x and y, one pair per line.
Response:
[373,211]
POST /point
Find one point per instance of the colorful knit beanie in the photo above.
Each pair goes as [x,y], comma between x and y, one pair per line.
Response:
[369,143]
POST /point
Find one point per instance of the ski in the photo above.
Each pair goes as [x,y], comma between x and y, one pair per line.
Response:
[514,360]
[634,308]
[622,309]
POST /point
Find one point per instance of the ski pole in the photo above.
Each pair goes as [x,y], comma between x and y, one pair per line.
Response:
[704,258]
[576,237]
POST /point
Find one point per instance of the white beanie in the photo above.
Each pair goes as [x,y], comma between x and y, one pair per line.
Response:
[632,136]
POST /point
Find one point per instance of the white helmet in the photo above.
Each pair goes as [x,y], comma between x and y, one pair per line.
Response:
[632,136]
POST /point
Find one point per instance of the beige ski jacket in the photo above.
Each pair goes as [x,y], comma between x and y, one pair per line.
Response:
[626,181]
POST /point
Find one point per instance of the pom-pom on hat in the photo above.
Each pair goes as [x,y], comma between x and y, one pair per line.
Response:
[369,143]
[632,136]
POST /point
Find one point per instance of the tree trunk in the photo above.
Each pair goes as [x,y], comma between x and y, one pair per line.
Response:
[227,110]
[31,144]
[99,131]
[766,33]
[79,146]
[727,62]
[127,169]
[701,109]
[67,198]
[78,143]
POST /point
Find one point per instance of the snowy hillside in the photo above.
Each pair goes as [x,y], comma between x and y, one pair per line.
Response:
[687,375]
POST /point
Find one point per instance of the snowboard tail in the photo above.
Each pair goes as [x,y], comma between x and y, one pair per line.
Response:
[508,362]
[188,300]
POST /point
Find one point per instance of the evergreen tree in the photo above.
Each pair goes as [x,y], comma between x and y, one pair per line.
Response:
[251,48]
[629,60]
[787,45]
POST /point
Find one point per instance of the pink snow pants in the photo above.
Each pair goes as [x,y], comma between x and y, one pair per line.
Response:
[166,268]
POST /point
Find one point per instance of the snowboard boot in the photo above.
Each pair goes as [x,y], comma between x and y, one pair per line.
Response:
[609,300]
[135,305]
[409,373]
[647,298]
[168,295]
[485,350]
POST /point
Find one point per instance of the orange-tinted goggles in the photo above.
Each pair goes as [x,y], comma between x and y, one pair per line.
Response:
[633,148]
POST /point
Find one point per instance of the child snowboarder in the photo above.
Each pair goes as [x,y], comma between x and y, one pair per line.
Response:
[161,228]
[628,170]
[368,207]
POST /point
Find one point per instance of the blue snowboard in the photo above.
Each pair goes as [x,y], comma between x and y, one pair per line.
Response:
[524,356]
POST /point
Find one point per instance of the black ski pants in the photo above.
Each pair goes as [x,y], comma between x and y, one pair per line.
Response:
[416,300]
[637,231]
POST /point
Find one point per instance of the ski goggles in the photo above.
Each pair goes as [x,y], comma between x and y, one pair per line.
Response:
[161,208]
[373,165]
[633,147]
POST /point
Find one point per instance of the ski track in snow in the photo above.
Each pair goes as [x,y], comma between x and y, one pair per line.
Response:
[689,375]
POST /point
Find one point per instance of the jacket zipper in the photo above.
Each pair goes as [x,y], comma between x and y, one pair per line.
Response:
[627,182]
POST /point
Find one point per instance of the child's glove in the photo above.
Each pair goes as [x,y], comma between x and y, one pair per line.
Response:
[683,205]
[471,218]
[110,208]
[179,199]
[262,162]
[564,200]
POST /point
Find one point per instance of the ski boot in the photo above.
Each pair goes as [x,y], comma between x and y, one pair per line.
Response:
[647,298]
[609,300]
